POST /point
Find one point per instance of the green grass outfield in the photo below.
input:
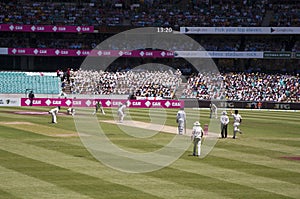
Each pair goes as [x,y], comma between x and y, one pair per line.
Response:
[43,160]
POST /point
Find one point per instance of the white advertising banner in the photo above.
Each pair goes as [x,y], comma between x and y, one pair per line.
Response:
[7,101]
[219,54]
[3,51]
[240,30]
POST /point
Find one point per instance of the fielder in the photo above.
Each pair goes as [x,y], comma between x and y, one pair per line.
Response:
[71,111]
[181,120]
[97,107]
[121,112]
[54,112]
[224,122]
[213,110]
[197,134]
[237,120]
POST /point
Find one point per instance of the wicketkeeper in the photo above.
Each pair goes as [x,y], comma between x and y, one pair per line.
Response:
[71,111]
[97,107]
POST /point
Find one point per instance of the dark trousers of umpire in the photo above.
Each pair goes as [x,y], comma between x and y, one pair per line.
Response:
[197,147]
[224,131]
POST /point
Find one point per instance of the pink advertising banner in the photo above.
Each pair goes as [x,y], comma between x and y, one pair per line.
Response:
[94,53]
[104,102]
[45,28]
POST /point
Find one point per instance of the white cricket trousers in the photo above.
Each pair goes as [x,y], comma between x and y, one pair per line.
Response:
[236,128]
[180,126]
[121,116]
[53,117]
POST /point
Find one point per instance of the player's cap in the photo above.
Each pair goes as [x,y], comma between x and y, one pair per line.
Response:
[197,123]
[224,113]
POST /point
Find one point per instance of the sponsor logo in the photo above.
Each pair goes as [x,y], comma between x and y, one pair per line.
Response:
[282,106]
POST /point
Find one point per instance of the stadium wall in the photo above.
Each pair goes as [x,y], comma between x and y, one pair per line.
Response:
[191,103]
[17,100]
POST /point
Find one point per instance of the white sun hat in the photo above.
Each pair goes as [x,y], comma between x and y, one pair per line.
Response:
[197,123]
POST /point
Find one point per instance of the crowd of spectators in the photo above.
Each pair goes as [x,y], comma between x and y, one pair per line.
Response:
[285,14]
[268,43]
[149,12]
[158,84]
[50,40]
[259,87]
[296,46]
[203,42]
[244,87]
[60,13]
[204,13]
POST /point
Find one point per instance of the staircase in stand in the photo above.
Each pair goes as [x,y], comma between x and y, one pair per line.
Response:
[67,89]
[179,90]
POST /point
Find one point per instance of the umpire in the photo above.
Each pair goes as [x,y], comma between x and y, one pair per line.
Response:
[224,122]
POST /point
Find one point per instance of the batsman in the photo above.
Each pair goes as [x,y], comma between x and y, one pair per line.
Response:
[197,134]
[181,121]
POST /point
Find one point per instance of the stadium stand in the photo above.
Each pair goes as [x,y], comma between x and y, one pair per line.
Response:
[148,13]
[244,79]
[285,13]
[208,42]
[244,87]
[137,83]
[21,82]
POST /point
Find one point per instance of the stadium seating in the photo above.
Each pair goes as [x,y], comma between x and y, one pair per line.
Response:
[150,13]
[20,82]
[244,87]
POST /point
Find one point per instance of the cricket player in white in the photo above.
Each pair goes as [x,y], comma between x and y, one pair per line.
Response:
[224,119]
[97,107]
[197,134]
[121,112]
[53,112]
[71,111]
[237,120]
[181,120]
[213,110]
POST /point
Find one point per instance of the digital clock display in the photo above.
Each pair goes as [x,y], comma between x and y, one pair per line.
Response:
[166,29]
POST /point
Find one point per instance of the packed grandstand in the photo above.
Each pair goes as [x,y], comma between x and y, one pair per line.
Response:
[172,13]
[240,79]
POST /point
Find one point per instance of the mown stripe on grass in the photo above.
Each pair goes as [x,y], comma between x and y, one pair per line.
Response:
[239,180]
[246,187]
[262,160]
[7,195]
[255,169]
[270,120]
[152,186]
[41,129]
[215,184]
[24,186]
[67,179]
[287,142]
[243,155]
[74,149]
[258,147]
[271,113]
[12,133]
